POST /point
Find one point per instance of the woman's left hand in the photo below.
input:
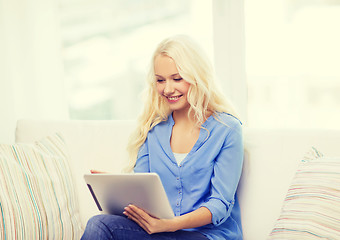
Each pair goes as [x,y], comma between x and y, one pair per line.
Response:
[149,223]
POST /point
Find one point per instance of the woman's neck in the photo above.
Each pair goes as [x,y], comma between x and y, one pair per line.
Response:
[182,117]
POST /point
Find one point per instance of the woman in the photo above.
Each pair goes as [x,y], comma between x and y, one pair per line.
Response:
[189,135]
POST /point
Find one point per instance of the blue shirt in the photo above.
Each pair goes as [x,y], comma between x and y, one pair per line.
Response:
[207,177]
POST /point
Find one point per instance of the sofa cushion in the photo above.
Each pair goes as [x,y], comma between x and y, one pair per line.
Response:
[37,198]
[92,144]
[311,209]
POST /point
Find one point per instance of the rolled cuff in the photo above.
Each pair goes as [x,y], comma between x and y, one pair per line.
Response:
[220,210]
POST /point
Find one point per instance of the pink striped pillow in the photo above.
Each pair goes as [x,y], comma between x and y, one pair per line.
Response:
[37,199]
[311,209]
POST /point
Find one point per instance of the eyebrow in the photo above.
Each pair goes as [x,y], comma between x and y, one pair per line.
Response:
[172,75]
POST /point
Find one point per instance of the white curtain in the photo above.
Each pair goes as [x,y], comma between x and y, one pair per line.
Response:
[31,72]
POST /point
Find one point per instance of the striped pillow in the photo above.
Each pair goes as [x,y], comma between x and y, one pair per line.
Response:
[311,209]
[37,199]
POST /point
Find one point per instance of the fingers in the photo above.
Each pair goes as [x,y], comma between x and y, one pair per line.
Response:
[139,216]
[96,171]
[149,223]
[138,211]
[140,223]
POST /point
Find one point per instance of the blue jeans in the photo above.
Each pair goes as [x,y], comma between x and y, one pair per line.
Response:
[121,228]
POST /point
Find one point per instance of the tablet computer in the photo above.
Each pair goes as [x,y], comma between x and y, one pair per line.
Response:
[113,192]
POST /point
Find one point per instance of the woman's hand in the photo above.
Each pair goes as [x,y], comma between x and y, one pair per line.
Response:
[96,171]
[149,223]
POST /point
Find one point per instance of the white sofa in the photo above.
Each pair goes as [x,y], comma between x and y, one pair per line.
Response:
[271,159]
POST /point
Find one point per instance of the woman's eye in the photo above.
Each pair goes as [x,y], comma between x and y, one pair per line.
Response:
[178,79]
[160,80]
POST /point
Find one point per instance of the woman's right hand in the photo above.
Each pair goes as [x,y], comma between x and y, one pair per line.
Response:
[96,171]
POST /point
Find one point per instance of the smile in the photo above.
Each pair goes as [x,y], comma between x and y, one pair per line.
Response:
[174,98]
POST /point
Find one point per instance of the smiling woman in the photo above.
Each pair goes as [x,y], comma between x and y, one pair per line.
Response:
[170,84]
[189,135]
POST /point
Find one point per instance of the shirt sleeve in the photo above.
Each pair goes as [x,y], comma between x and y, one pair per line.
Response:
[142,162]
[226,176]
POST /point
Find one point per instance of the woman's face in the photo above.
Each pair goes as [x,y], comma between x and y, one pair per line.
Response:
[170,84]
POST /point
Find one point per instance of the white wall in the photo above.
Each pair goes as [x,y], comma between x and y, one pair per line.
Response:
[31,73]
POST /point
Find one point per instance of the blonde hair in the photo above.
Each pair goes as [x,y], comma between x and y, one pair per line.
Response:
[203,95]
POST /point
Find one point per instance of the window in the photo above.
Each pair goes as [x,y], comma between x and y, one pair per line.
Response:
[293,63]
[291,47]
[107,48]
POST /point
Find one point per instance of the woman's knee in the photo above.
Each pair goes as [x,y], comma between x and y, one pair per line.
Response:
[101,220]
[107,221]
[96,228]
[111,227]
[95,222]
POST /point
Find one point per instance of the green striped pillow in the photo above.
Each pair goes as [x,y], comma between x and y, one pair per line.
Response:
[311,209]
[37,199]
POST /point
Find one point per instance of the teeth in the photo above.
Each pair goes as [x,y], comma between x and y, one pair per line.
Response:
[173,98]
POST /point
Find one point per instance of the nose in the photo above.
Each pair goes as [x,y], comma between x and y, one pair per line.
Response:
[169,88]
